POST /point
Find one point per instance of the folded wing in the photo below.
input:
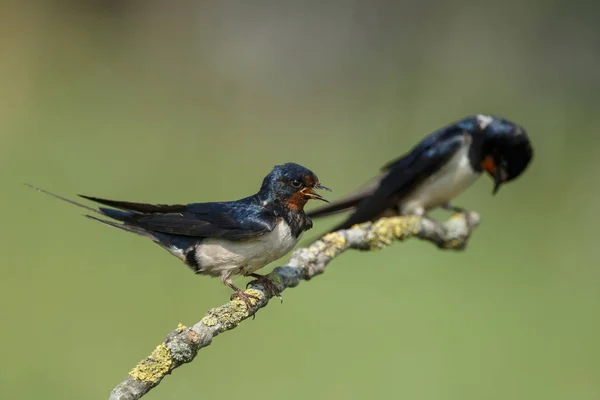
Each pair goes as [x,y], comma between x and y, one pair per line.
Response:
[229,220]
[398,178]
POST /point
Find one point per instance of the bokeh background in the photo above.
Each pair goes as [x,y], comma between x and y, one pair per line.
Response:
[196,101]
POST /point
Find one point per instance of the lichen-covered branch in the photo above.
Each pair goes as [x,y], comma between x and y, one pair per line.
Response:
[182,345]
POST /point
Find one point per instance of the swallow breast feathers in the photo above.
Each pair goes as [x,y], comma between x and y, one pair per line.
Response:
[224,258]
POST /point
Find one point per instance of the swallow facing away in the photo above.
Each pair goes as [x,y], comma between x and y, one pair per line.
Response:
[223,239]
[438,169]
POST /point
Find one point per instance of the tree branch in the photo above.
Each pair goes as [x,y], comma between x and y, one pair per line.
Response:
[182,345]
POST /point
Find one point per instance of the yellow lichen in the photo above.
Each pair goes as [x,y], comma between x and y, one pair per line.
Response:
[335,243]
[453,243]
[237,307]
[335,239]
[256,293]
[153,368]
[231,314]
[457,216]
[180,327]
[413,224]
[210,320]
[385,230]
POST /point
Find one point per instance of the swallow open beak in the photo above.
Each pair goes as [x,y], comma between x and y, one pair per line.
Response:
[311,194]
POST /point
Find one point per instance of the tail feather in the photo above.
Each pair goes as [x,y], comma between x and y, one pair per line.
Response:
[138,207]
[122,216]
[118,215]
[127,228]
[176,245]
[65,199]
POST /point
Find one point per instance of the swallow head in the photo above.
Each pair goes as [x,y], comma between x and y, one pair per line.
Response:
[505,148]
[293,185]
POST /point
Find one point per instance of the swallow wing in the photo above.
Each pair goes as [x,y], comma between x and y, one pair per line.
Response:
[212,220]
[405,173]
[229,220]
[422,157]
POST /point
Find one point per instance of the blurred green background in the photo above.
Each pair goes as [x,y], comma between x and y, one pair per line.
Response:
[196,101]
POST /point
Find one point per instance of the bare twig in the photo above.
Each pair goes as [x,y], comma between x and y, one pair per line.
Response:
[182,345]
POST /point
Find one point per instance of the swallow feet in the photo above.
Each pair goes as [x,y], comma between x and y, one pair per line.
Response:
[465,212]
[268,284]
[239,294]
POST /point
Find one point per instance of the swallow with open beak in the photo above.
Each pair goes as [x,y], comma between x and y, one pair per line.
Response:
[223,239]
[438,169]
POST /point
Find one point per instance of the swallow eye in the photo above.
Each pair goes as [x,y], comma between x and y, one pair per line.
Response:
[296,183]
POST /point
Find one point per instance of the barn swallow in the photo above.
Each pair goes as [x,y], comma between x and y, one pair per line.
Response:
[223,239]
[438,169]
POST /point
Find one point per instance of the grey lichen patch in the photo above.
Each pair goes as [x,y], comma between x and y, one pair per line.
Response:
[458,229]
[155,367]
[385,230]
[314,249]
[182,351]
[317,247]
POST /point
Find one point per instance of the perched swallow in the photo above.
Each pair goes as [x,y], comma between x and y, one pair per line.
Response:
[223,239]
[438,169]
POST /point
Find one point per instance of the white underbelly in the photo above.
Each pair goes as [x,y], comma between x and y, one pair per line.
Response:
[221,257]
[440,188]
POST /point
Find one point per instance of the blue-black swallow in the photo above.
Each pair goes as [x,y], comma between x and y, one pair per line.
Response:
[438,169]
[223,239]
